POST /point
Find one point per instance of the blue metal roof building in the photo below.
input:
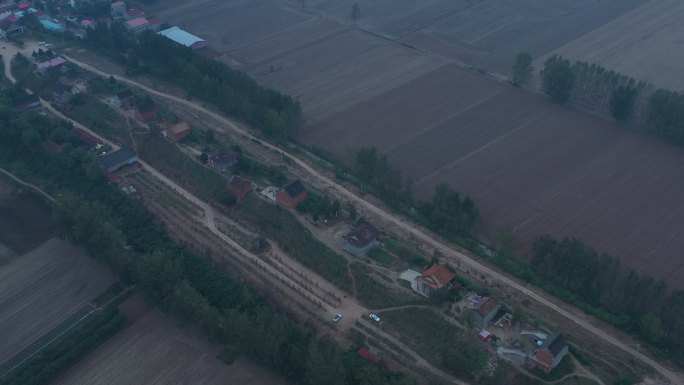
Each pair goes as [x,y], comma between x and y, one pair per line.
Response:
[183,38]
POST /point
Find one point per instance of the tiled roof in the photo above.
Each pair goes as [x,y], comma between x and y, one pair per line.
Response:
[295,188]
[437,276]
[362,235]
[487,305]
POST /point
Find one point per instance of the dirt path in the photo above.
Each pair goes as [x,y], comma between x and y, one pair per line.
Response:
[406,225]
[43,193]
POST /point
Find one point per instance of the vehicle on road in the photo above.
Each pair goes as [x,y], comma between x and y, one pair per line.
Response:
[374,317]
[337,317]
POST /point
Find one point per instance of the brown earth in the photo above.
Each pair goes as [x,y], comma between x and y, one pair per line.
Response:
[41,289]
[645,43]
[155,350]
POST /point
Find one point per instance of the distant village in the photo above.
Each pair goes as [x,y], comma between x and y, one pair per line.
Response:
[67,19]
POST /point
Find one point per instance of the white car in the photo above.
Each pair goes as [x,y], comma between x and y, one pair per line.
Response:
[337,317]
[374,317]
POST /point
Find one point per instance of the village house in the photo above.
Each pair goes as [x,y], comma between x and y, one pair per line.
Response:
[63,94]
[117,159]
[239,187]
[485,310]
[435,279]
[184,38]
[137,25]
[133,13]
[367,355]
[52,65]
[26,103]
[87,24]
[146,112]
[178,131]
[124,99]
[118,9]
[549,353]
[292,195]
[361,239]
[223,160]
[10,28]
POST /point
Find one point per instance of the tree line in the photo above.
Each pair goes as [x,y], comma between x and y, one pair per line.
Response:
[277,115]
[116,230]
[68,349]
[656,111]
[447,213]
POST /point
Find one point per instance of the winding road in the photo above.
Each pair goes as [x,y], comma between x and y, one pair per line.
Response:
[407,226]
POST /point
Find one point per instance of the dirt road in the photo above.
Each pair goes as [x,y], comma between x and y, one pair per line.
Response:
[43,193]
[409,227]
[353,310]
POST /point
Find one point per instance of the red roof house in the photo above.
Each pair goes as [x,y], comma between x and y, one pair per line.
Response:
[146,112]
[178,131]
[292,195]
[434,279]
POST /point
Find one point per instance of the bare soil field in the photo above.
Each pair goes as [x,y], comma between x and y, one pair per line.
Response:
[155,350]
[495,30]
[645,43]
[41,289]
[24,221]
[530,164]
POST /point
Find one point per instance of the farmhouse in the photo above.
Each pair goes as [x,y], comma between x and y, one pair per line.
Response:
[137,25]
[549,354]
[146,112]
[184,38]
[435,279]
[224,160]
[292,195]
[361,239]
[484,312]
[117,159]
[51,65]
[239,187]
[178,131]
[118,9]
[85,137]
[26,103]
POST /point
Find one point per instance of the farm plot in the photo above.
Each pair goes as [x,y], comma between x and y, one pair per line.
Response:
[156,351]
[532,165]
[41,289]
[645,43]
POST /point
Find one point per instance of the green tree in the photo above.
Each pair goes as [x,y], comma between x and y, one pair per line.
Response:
[622,102]
[504,241]
[324,363]
[356,12]
[352,212]
[557,78]
[650,327]
[522,69]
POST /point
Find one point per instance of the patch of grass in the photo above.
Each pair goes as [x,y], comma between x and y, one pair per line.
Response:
[374,294]
[228,356]
[281,225]
[381,256]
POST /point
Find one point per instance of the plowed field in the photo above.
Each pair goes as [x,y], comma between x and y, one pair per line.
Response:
[155,351]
